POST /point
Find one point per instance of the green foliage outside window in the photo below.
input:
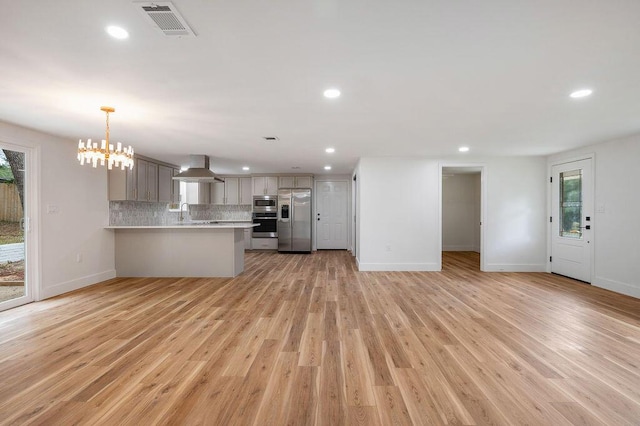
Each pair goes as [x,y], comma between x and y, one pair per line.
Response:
[571,203]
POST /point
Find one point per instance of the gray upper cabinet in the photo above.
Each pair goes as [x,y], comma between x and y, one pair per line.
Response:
[148,181]
[122,184]
[175,189]
[246,194]
[304,182]
[295,182]
[231,188]
[217,193]
[265,185]
[165,184]
[204,192]
[234,191]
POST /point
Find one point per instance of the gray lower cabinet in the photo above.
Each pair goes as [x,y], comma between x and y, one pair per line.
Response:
[247,239]
[264,243]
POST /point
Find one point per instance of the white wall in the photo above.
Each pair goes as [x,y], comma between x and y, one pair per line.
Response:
[398,215]
[516,215]
[461,212]
[79,196]
[616,224]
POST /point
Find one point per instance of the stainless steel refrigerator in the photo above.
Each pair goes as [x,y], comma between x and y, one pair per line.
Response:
[294,219]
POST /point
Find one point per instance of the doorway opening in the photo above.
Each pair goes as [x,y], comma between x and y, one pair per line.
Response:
[461,211]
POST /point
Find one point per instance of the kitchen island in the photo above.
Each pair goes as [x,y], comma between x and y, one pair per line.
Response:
[180,250]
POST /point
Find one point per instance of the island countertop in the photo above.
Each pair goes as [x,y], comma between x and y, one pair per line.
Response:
[188,225]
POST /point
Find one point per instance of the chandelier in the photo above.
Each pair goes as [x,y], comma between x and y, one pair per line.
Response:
[106,154]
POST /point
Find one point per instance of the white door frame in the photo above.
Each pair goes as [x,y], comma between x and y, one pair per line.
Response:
[559,162]
[340,178]
[32,223]
[483,207]
[352,215]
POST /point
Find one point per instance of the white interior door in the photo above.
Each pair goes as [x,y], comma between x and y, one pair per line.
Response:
[572,219]
[331,215]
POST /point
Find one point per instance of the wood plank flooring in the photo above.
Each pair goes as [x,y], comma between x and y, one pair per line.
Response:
[308,340]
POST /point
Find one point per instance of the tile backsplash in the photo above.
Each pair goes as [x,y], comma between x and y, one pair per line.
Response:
[138,213]
[219,212]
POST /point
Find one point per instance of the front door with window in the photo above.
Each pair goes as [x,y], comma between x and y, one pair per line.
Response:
[572,219]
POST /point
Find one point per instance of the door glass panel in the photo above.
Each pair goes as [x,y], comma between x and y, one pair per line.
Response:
[12,259]
[571,204]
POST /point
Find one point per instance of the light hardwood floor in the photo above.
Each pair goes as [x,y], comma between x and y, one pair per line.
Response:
[306,339]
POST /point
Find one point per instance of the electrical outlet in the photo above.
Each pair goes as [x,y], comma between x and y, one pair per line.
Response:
[79,257]
[388,248]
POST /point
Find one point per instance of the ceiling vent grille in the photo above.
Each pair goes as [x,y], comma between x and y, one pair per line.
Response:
[165,17]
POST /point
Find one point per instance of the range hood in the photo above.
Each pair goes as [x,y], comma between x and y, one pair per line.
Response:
[198,171]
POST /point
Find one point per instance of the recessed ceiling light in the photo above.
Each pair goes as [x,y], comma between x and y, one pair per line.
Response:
[582,93]
[463,149]
[330,150]
[117,32]
[331,93]
[245,168]
[327,167]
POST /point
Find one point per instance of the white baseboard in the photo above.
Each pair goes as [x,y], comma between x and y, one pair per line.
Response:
[424,267]
[515,267]
[459,248]
[617,286]
[76,284]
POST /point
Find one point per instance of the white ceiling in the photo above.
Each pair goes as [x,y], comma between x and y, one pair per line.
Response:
[417,77]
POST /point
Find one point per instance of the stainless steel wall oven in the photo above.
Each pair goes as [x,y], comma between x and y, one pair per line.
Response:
[265,214]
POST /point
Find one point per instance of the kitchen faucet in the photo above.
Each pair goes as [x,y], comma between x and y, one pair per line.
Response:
[181,218]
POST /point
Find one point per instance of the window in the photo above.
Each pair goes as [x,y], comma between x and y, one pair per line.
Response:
[571,204]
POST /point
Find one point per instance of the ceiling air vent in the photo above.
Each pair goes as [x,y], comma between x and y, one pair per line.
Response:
[164,16]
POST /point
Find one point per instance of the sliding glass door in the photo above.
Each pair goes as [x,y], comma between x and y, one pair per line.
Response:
[14,225]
